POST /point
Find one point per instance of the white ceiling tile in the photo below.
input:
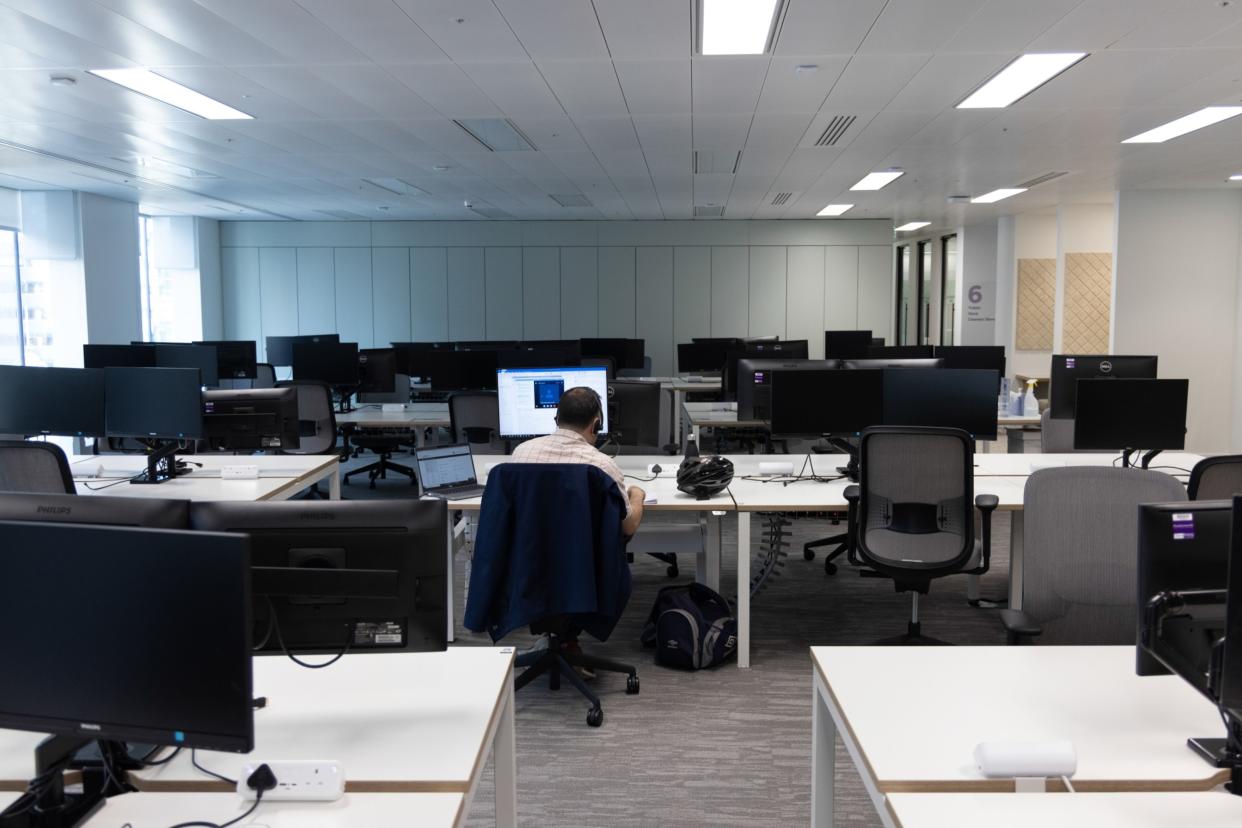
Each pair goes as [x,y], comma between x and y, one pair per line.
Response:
[378,29]
[946,79]
[813,27]
[778,131]
[1008,25]
[1093,26]
[482,34]
[871,81]
[917,25]
[447,88]
[373,87]
[584,87]
[645,29]
[555,133]
[286,27]
[516,88]
[786,89]
[655,87]
[608,134]
[727,84]
[555,29]
[723,132]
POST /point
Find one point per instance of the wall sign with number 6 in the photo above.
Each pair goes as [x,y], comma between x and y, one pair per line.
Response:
[975,294]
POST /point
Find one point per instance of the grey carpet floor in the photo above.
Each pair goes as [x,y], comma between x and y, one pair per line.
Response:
[720,747]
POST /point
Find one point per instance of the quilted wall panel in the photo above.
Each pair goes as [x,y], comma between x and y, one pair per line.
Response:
[1088,292]
[1037,296]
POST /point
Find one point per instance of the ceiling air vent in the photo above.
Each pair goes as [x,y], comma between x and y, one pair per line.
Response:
[1035,182]
[708,210]
[781,199]
[835,129]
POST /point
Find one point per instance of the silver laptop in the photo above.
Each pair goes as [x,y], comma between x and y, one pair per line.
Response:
[447,472]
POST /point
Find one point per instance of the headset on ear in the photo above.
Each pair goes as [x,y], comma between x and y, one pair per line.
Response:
[597,419]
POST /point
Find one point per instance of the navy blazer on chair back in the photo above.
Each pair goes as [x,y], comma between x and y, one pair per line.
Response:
[549,544]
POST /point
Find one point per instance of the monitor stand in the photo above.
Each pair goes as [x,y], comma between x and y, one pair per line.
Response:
[161,464]
[850,470]
[1145,461]
[54,808]
[346,394]
[1224,753]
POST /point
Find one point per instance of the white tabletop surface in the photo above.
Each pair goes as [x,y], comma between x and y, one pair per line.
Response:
[17,758]
[278,476]
[1210,809]
[373,810]
[408,721]
[371,415]
[917,713]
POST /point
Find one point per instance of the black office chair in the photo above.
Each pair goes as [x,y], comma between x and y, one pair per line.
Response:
[382,442]
[316,422]
[914,516]
[1216,478]
[35,467]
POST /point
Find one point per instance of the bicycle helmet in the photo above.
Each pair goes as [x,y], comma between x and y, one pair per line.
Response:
[704,477]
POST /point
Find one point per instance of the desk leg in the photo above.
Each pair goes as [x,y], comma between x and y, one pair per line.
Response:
[707,569]
[823,757]
[743,589]
[675,417]
[1015,559]
[504,755]
[334,483]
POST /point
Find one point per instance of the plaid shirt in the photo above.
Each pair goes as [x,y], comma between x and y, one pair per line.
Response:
[565,446]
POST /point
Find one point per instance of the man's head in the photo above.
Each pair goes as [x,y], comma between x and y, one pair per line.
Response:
[580,410]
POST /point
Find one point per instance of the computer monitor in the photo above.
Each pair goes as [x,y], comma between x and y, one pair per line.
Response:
[572,348]
[528,397]
[1067,369]
[184,355]
[524,358]
[885,364]
[754,382]
[160,403]
[251,419]
[148,512]
[1120,414]
[377,371]
[143,636]
[462,370]
[118,356]
[900,352]
[280,348]
[486,344]
[698,357]
[331,576]
[411,357]
[846,344]
[59,401]
[716,340]
[814,403]
[981,357]
[946,398]
[235,358]
[334,363]
[790,349]
[626,354]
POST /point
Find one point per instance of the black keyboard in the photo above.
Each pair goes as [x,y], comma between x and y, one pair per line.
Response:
[431,396]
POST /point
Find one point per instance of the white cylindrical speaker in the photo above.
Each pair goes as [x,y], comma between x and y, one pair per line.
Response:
[776,468]
[1010,759]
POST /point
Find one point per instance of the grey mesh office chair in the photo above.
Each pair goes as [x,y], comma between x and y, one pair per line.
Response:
[316,421]
[474,417]
[382,441]
[914,517]
[1080,543]
[1216,478]
[1055,436]
[264,376]
[34,467]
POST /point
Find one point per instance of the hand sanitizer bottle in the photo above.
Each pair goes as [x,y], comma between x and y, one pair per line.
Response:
[1030,406]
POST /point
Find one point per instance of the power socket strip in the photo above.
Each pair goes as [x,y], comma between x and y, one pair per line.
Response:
[239,472]
[298,780]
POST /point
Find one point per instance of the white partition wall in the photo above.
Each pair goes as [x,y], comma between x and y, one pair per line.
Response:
[665,281]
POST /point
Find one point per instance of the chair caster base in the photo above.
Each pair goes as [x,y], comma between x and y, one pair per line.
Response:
[808,554]
[830,568]
[631,685]
[595,716]
[673,571]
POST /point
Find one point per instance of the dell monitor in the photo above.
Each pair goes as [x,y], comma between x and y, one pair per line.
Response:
[118,356]
[528,397]
[330,577]
[235,358]
[155,649]
[815,403]
[377,371]
[626,354]
[1130,414]
[754,382]
[146,512]
[846,344]
[900,352]
[251,419]
[1067,369]
[334,363]
[280,348]
[54,401]
[947,398]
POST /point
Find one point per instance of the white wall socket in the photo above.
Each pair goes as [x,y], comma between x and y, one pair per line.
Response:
[305,780]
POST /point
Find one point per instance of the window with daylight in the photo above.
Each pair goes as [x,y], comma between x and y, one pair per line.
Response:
[168,268]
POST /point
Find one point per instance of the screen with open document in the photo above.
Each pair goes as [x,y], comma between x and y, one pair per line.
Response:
[528,396]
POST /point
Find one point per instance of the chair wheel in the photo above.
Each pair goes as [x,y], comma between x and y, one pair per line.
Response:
[631,685]
[595,716]
[673,571]
[808,554]
[830,568]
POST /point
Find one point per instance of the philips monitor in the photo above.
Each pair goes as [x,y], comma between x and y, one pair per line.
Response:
[528,397]
[336,576]
[334,363]
[626,354]
[147,512]
[377,371]
[54,401]
[1120,414]
[118,356]
[702,357]
[947,398]
[235,358]
[826,402]
[143,635]
[251,419]
[280,348]
[1067,369]
[161,403]
[754,382]
[900,352]
[875,364]
[846,344]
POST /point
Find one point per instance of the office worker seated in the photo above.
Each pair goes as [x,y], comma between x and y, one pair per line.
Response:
[579,417]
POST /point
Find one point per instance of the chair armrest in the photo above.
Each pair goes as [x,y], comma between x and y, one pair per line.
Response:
[852,493]
[986,502]
[1019,626]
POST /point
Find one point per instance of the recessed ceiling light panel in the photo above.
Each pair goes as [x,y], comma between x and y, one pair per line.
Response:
[1021,77]
[146,82]
[877,180]
[737,27]
[912,225]
[835,209]
[997,195]
[1187,123]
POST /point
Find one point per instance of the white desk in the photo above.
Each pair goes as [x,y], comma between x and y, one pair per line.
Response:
[398,723]
[17,762]
[280,476]
[1216,809]
[374,810]
[910,718]
[413,418]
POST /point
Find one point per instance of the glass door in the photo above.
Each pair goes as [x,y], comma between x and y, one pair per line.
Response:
[948,289]
[923,335]
[905,288]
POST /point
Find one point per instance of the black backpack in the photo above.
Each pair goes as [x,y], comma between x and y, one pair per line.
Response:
[691,627]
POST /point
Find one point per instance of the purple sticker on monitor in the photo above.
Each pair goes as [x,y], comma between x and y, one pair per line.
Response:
[1069,362]
[1183,526]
